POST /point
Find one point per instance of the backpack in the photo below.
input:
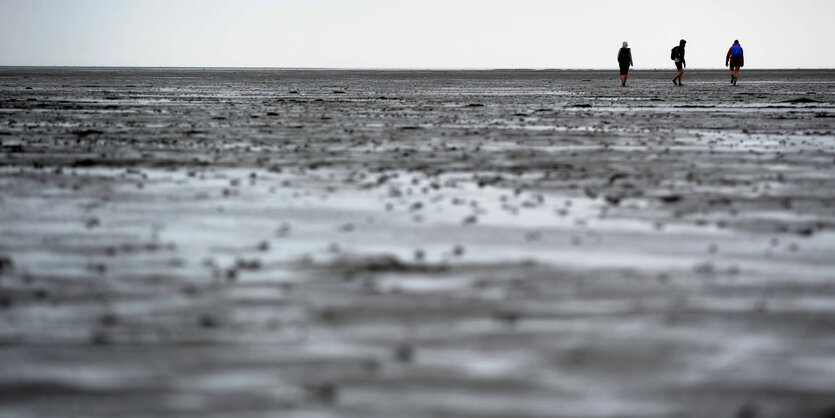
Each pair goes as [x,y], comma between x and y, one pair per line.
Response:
[736,51]
[674,53]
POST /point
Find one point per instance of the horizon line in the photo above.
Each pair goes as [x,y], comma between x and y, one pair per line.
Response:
[396,68]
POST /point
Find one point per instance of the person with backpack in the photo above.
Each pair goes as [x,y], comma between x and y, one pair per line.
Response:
[734,59]
[624,61]
[677,55]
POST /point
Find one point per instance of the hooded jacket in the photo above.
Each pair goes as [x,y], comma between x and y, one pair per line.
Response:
[680,54]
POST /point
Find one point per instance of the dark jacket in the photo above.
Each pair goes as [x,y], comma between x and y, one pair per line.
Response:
[680,55]
[625,56]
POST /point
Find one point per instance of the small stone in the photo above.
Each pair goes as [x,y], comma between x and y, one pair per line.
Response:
[98,268]
[252,265]
[371,366]
[508,317]
[404,353]
[704,268]
[328,315]
[469,220]
[533,236]
[749,410]
[283,230]
[208,321]
[92,223]
[109,319]
[99,337]
[326,392]
[5,263]
[190,290]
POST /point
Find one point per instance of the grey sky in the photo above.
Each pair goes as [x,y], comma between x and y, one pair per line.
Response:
[413,34]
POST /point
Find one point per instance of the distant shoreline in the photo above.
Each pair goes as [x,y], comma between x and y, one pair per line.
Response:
[69,67]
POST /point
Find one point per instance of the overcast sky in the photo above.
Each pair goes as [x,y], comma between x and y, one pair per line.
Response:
[413,34]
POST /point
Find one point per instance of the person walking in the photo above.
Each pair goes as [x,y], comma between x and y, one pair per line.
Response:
[677,55]
[624,61]
[734,59]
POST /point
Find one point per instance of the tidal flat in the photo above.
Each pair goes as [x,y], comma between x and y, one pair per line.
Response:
[510,243]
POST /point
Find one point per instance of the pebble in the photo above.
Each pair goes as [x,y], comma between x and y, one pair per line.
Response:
[748,410]
[469,220]
[5,263]
[404,353]
[283,230]
[326,392]
[99,337]
[208,321]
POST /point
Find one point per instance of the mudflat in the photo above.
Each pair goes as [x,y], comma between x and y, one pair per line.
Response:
[294,243]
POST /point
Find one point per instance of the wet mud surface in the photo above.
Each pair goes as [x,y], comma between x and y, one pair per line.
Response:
[413,244]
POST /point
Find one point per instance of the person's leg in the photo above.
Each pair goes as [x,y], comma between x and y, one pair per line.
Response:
[622,80]
[678,76]
[625,77]
[736,74]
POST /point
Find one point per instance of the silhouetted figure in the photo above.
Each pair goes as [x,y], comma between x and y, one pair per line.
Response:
[624,61]
[677,55]
[734,60]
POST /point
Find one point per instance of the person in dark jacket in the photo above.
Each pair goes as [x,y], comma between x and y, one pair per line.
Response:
[624,61]
[734,59]
[680,63]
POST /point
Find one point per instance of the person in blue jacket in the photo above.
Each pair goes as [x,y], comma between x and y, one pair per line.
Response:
[734,60]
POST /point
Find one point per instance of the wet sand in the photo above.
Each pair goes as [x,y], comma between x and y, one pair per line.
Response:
[413,244]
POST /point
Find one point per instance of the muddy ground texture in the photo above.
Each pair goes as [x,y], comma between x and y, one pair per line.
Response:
[413,244]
